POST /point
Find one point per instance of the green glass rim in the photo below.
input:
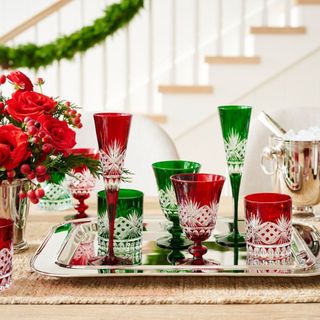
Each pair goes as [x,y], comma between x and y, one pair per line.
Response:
[124,194]
[176,165]
[234,107]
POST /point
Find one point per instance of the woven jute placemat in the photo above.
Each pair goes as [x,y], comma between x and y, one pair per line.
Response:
[31,288]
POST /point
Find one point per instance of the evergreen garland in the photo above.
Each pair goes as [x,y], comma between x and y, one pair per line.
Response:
[66,47]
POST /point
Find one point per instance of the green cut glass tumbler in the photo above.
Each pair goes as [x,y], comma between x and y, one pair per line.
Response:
[235,121]
[163,170]
[127,227]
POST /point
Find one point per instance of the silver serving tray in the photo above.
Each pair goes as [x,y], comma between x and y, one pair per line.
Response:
[53,256]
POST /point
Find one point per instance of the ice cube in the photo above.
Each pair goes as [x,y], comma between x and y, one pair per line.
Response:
[289,135]
[305,135]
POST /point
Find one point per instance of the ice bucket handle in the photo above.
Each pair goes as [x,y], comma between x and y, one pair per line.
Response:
[270,155]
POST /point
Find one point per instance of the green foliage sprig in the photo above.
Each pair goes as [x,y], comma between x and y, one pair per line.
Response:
[62,166]
[66,47]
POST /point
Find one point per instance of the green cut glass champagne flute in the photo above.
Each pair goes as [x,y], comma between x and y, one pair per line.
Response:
[235,121]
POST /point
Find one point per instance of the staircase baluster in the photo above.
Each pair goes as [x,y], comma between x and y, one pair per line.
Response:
[150,98]
[219,27]
[265,13]
[288,13]
[196,43]
[104,82]
[35,41]
[127,69]
[81,77]
[173,41]
[242,33]
[58,67]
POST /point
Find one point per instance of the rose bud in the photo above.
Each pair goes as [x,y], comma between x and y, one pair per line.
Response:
[40,81]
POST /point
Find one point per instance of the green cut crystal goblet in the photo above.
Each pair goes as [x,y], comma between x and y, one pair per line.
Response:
[235,121]
[163,171]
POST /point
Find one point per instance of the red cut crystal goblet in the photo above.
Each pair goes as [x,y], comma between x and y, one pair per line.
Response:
[81,182]
[198,196]
[112,133]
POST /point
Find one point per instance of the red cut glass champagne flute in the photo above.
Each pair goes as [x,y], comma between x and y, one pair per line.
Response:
[112,131]
[198,196]
[81,182]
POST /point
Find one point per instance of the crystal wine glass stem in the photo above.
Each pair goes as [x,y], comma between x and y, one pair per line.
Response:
[235,252]
[81,207]
[176,232]
[198,251]
[175,256]
[235,179]
[112,199]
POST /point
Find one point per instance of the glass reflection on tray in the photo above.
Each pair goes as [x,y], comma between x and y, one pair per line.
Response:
[159,260]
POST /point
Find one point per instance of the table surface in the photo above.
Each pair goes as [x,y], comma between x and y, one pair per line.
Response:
[151,207]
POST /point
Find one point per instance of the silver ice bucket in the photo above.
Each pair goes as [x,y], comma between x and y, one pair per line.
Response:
[294,167]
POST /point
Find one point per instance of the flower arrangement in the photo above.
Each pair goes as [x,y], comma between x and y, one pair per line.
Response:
[36,136]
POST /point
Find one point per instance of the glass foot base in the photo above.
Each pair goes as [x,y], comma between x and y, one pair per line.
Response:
[198,262]
[175,257]
[77,216]
[168,242]
[228,240]
[20,247]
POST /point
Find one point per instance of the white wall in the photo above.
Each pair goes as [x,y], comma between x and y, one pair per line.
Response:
[298,86]
[13,12]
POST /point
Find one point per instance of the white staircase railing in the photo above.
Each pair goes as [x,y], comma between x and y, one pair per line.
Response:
[166,43]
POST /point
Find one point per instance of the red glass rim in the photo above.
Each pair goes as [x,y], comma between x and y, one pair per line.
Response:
[4,223]
[267,198]
[111,114]
[197,177]
[234,107]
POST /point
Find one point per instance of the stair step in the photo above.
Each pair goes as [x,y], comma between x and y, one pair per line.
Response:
[186,89]
[232,60]
[156,117]
[278,30]
[307,2]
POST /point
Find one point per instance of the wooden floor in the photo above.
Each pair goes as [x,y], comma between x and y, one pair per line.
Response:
[165,312]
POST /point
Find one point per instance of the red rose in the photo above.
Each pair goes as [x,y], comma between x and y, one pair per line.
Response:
[20,80]
[13,146]
[62,137]
[29,104]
